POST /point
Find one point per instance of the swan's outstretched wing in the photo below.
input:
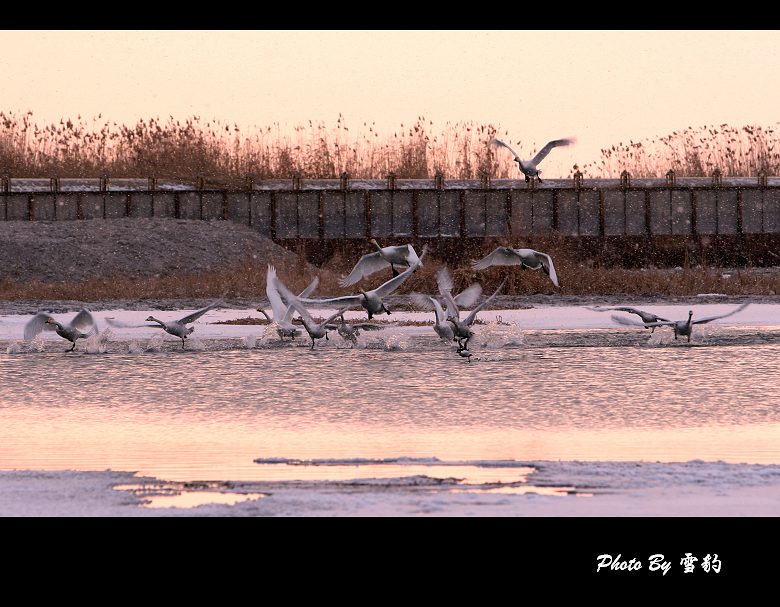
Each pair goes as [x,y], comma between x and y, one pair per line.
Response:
[121,324]
[348,301]
[549,268]
[630,322]
[335,315]
[502,256]
[83,321]
[392,284]
[641,313]
[424,253]
[468,296]
[470,318]
[452,307]
[368,264]
[444,280]
[422,301]
[441,317]
[305,293]
[542,154]
[372,326]
[498,142]
[711,318]
[37,324]
[278,309]
[291,300]
[198,313]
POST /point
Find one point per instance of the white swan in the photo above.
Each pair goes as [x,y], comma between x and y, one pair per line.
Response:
[178,328]
[647,317]
[525,258]
[315,330]
[282,315]
[529,168]
[401,255]
[680,327]
[350,331]
[441,324]
[72,331]
[465,299]
[370,300]
[462,328]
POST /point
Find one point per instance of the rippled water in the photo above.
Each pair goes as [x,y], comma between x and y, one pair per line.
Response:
[208,414]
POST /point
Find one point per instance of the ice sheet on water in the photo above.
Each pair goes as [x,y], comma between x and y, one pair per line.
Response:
[351,461]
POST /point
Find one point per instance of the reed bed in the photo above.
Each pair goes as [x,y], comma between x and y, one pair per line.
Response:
[184,149]
[695,152]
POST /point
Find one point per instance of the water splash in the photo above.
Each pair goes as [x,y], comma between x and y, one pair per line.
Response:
[495,336]
[14,347]
[96,343]
[249,341]
[37,344]
[195,344]
[155,344]
[396,343]
[134,348]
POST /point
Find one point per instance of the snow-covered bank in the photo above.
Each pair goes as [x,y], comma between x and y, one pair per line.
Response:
[604,489]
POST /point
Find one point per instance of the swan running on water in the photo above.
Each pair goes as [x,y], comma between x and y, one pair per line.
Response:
[370,300]
[350,331]
[529,168]
[680,327]
[282,315]
[72,331]
[177,328]
[462,328]
[648,318]
[315,331]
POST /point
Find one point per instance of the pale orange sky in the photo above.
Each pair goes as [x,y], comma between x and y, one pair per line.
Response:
[603,87]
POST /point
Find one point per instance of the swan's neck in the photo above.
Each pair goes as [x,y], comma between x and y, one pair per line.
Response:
[159,322]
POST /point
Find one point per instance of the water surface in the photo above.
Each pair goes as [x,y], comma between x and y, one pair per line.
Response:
[208,414]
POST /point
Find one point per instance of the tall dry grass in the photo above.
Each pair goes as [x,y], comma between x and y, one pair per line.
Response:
[695,152]
[181,149]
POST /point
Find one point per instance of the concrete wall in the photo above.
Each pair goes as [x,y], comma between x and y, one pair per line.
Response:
[428,213]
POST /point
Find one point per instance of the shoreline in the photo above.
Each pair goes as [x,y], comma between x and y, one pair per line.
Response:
[604,489]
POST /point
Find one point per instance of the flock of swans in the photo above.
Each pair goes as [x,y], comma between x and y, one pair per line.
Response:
[446,305]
